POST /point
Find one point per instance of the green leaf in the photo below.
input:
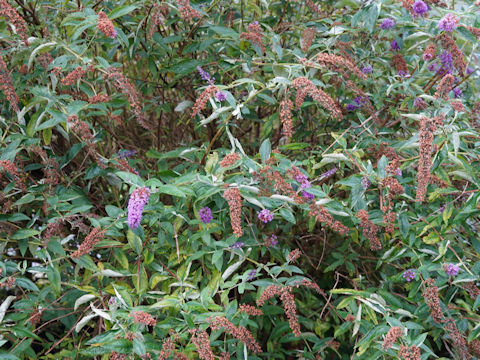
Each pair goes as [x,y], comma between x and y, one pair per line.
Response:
[24,234]
[287,215]
[121,11]
[265,150]
[55,279]
[171,190]
[134,241]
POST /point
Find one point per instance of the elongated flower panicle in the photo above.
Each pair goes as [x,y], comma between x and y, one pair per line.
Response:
[419,103]
[307,38]
[74,76]
[201,341]
[205,215]
[393,334]
[409,353]
[306,87]
[159,13]
[14,18]
[90,241]
[433,301]
[201,101]
[250,310]
[398,61]
[445,86]
[141,317]
[288,301]
[121,84]
[450,46]
[370,230]
[105,25]
[234,199]
[229,160]
[458,341]
[286,106]
[322,215]
[99,98]
[293,255]
[427,129]
[6,86]
[188,13]
[448,23]
[335,62]
[168,347]
[136,203]
[254,35]
[240,333]
[430,52]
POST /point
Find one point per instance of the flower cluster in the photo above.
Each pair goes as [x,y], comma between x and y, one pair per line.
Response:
[254,35]
[188,13]
[229,160]
[90,241]
[265,216]
[409,275]
[202,342]
[293,255]
[370,230]
[250,310]
[427,128]
[136,203]
[339,64]
[288,302]
[201,101]
[419,8]
[15,19]
[205,215]
[240,333]
[286,106]
[305,87]
[409,353]
[451,269]
[141,317]
[234,199]
[121,84]
[271,241]
[307,38]
[6,86]
[322,215]
[430,52]
[387,23]
[99,98]
[105,25]
[159,13]
[73,76]
[448,23]
[433,301]
[393,334]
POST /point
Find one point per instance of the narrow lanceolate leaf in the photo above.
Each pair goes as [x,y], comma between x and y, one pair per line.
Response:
[82,300]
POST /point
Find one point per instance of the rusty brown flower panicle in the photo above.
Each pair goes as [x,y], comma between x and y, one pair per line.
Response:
[250,310]
[201,341]
[240,333]
[14,18]
[393,334]
[234,199]
[229,160]
[370,230]
[6,86]
[90,241]
[141,317]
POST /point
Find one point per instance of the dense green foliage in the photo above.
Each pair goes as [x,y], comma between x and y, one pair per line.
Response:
[249,109]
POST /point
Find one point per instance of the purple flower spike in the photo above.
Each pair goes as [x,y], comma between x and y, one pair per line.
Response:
[448,23]
[205,215]
[136,203]
[307,195]
[367,69]
[469,70]
[387,24]
[203,74]
[409,275]
[419,103]
[265,216]
[420,8]
[237,245]
[251,275]
[366,182]
[394,45]
[221,96]
[451,269]
[123,154]
[329,173]
[352,107]
[457,92]
[303,180]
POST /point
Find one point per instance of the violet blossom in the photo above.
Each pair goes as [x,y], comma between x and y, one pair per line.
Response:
[205,215]
[136,203]
[451,269]
[387,24]
[448,23]
[265,216]
[419,8]
[409,275]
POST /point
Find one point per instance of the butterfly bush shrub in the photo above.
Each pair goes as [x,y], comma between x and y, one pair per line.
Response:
[265,180]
